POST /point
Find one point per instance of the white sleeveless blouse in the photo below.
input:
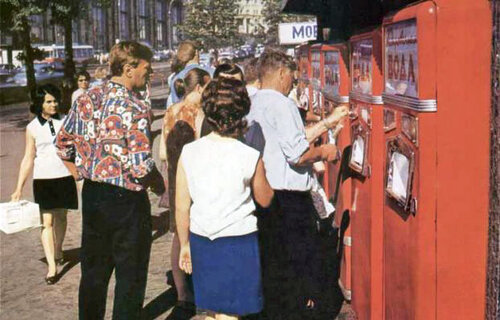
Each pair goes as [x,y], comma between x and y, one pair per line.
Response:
[47,164]
[219,174]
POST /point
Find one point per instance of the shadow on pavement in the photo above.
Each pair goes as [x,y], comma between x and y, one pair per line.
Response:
[71,257]
[159,305]
[160,224]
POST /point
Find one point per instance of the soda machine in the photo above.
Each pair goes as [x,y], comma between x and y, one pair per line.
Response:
[366,161]
[335,93]
[436,136]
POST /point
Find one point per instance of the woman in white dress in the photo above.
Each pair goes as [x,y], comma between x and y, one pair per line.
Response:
[54,187]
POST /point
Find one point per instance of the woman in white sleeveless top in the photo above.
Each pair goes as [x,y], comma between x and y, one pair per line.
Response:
[217,176]
[54,187]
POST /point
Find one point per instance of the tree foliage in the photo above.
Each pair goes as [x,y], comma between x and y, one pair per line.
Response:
[273,17]
[15,17]
[211,22]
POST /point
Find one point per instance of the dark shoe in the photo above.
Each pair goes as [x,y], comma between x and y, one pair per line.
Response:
[183,310]
[51,280]
[61,261]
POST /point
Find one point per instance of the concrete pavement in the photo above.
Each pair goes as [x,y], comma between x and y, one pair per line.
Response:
[23,292]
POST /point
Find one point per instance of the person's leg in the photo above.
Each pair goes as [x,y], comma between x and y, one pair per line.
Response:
[47,237]
[300,244]
[272,263]
[184,292]
[60,224]
[131,246]
[96,262]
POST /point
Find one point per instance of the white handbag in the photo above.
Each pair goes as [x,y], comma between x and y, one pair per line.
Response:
[19,216]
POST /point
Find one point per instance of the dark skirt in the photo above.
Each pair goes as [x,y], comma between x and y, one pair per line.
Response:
[226,274]
[58,193]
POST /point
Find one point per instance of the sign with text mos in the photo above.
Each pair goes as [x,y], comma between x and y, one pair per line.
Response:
[297,32]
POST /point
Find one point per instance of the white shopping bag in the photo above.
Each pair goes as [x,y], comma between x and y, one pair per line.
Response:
[19,216]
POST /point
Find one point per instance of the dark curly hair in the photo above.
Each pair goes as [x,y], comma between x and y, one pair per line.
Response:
[228,70]
[225,103]
[39,97]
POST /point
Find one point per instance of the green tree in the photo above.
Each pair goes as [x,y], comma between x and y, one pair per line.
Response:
[15,17]
[211,22]
[273,17]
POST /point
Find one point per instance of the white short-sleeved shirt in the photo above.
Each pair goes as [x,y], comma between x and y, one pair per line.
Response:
[219,173]
[47,164]
[285,140]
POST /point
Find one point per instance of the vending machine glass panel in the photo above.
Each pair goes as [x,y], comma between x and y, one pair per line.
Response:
[401,67]
[399,174]
[389,120]
[316,81]
[359,151]
[332,73]
[362,66]
[409,126]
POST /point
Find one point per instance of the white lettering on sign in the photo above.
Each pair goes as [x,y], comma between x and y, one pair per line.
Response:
[401,59]
[297,32]
[362,66]
[332,72]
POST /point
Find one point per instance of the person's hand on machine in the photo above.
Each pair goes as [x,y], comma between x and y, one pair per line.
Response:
[336,116]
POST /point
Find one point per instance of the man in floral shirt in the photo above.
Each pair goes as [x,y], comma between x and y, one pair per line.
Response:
[116,226]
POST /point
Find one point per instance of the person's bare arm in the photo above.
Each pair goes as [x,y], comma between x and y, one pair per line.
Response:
[262,191]
[182,206]
[315,130]
[26,166]
[71,168]
[325,152]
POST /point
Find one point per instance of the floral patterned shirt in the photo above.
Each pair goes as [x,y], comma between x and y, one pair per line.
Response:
[76,140]
[123,149]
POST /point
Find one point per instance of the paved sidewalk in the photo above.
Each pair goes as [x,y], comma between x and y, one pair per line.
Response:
[23,292]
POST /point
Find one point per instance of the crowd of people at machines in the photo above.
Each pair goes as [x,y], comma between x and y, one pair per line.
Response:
[239,175]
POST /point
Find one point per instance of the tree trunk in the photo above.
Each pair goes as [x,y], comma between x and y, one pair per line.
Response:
[28,50]
[69,63]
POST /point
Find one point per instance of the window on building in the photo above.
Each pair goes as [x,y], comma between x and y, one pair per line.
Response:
[159,32]
[142,28]
[142,7]
[159,10]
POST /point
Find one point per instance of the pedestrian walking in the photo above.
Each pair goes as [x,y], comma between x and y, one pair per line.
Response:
[53,185]
[215,210]
[181,125]
[292,266]
[82,81]
[117,163]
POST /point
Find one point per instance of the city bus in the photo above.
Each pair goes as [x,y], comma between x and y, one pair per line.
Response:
[55,53]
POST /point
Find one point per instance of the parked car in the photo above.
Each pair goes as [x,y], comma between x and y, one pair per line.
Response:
[226,55]
[160,56]
[44,72]
[206,59]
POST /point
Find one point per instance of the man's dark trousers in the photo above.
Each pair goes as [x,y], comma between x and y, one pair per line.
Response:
[116,235]
[292,267]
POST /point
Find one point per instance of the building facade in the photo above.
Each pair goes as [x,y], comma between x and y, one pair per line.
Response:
[250,17]
[152,22]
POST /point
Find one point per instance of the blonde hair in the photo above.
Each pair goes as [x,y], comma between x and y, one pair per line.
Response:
[127,52]
[100,72]
[185,53]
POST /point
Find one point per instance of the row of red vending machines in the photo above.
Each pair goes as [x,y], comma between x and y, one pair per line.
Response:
[414,184]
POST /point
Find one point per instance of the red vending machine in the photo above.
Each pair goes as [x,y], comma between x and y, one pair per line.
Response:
[366,161]
[335,93]
[315,83]
[436,134]
[304,75]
